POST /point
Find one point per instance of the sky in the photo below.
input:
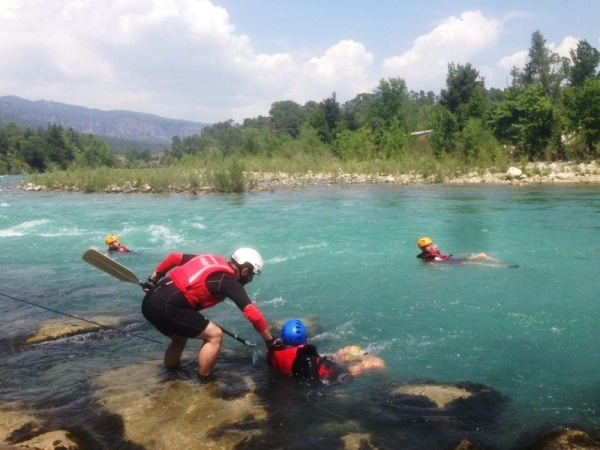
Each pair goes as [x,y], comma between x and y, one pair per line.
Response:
[216,60]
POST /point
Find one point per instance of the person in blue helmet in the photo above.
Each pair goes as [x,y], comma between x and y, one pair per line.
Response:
[295,358]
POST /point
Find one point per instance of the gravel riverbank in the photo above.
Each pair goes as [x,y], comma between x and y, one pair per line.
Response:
[531,173]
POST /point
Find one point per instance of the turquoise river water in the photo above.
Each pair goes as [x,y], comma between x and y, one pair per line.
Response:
[345,256]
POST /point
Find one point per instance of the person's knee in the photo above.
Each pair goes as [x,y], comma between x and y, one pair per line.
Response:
[212,333]
[178,341]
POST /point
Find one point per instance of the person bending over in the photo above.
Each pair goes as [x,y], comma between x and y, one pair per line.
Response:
[193,283]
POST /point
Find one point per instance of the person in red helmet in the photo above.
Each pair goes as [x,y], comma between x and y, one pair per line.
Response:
[184,284]
[112,240]
[430,254]
[297,359]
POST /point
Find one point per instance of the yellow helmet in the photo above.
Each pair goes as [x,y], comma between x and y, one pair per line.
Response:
[423,242]
[111,238]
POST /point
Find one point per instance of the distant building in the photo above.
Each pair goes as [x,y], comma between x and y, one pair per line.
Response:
[421,135]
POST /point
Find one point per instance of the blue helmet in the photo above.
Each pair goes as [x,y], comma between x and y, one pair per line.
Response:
[293,332]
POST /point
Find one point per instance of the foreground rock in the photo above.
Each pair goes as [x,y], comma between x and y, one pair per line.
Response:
[562,438]
[20,430]
[159,414]
[151,410]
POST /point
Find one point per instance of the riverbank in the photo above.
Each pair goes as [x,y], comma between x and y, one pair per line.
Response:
[530,173]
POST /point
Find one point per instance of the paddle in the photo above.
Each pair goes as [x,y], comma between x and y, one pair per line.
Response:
[111,267]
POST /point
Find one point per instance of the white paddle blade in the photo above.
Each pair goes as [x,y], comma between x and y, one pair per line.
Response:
[111,267]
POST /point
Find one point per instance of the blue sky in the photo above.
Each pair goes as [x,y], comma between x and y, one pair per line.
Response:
[211,61]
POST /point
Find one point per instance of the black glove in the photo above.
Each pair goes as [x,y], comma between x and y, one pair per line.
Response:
[274,343]
[148,285]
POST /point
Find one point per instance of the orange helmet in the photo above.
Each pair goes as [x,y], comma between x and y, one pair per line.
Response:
[424,242]
[111,238]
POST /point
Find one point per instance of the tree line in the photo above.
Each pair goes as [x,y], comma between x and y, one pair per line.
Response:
[551,111]
[24,150]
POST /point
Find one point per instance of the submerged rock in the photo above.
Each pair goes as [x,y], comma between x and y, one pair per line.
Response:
[440,395]
[61,328]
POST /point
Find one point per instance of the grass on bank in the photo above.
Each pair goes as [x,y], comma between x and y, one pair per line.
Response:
[237,174]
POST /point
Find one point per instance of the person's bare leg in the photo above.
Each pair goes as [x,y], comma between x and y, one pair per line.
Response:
[209,351]
[483,256]
[369,363]
[174,351]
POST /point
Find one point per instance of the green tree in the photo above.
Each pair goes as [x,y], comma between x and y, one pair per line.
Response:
[478,142]
[226,136]
[585,60]
[583,111]
[354,112]
[93,152]
[58,150]
[393,141]
[325,119]
[525,118]
[287,117]
[544,67]
[445,131]
[10,139]
[34,153]
[461,81]
[391,102]
[355,144]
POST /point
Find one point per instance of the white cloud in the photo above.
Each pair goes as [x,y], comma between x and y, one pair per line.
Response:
[344,67]
[569,43]
[456,39]
[515,60]
[185,58]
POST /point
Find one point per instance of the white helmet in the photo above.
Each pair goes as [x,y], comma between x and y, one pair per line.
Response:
[248,256]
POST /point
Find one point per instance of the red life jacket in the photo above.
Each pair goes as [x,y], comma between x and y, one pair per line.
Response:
[282,360]
[190,279]
[434,255]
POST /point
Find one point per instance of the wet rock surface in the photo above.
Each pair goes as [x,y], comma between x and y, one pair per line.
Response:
[66,327]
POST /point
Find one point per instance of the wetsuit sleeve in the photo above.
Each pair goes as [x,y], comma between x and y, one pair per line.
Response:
[253,314]
[230,287]
[171,261]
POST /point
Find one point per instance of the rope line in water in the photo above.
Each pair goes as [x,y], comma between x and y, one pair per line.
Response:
[80,318]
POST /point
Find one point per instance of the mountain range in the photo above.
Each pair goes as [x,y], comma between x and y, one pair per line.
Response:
[122,130]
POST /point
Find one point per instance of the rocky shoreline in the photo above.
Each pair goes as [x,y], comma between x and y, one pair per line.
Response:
[529,174]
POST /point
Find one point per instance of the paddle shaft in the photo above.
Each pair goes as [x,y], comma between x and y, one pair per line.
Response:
[111,267]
